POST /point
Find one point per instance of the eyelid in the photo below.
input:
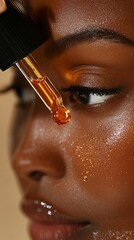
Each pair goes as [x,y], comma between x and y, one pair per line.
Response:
[99,91]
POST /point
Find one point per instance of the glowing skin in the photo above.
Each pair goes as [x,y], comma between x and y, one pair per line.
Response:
[92,162]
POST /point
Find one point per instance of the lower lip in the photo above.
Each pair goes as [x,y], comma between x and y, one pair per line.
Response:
[40,231]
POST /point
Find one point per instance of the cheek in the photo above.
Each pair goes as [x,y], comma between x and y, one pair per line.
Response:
[102,158]
[18,126]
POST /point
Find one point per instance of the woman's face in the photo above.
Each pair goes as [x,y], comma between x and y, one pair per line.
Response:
[85,169]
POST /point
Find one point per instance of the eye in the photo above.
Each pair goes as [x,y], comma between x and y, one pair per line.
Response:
[91,96]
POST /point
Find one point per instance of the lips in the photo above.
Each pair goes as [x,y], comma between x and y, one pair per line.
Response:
[47,223]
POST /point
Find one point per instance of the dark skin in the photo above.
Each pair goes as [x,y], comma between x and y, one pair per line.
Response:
[92,162]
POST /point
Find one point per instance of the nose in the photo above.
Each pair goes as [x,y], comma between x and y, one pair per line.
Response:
[38,154]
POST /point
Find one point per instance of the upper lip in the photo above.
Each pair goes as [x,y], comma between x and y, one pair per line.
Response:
[39,211]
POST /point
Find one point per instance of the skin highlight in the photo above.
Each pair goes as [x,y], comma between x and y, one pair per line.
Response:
[92,161]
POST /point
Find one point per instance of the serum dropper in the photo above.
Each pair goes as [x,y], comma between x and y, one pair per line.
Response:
[19,36]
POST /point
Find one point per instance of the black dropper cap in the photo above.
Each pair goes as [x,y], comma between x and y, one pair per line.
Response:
[19,35]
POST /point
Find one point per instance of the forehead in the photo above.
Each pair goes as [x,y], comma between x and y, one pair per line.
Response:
[67,16]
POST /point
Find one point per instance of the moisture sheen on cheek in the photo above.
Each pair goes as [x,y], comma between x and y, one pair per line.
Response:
[99,152]
[114,235]
[86,150]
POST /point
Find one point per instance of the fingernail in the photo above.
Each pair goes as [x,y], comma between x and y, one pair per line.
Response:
[2,6]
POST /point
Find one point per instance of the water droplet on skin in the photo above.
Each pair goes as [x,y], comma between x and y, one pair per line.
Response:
[49,213]
[85,178]
[114,235]
[42,203]
[48,207]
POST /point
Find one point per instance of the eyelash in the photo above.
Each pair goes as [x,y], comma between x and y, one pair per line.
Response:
[82,95]
[91,96]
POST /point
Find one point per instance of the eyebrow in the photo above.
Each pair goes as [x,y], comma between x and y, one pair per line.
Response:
[86,35]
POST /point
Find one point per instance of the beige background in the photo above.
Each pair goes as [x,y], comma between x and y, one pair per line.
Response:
[12,223]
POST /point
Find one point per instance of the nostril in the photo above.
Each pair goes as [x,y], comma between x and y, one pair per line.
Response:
[36,175]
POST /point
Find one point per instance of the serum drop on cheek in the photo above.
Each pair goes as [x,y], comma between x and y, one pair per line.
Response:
[19,36]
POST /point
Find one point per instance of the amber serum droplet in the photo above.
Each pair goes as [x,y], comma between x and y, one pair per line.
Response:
[61,115]
[45,89]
